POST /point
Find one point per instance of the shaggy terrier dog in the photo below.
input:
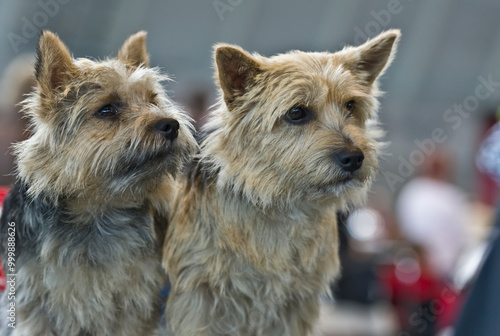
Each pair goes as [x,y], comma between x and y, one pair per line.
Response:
[83,227]
[253,240]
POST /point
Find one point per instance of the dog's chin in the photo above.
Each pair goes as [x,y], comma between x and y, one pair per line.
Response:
[338,187]
[345,185]
[146,161]
[345,193]
[138,168]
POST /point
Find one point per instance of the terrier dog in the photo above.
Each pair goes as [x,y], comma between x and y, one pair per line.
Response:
[253,240]
[89,210]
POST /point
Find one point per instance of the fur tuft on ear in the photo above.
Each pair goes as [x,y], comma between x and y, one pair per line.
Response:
[54,65]
[236,70]
[134,51]
[374,56]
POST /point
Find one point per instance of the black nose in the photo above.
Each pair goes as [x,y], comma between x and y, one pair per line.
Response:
[350,161]
[169,128]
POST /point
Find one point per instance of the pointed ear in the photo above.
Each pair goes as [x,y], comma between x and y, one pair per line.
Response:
[134,51]
[236,71]
[374,56]
[54,65]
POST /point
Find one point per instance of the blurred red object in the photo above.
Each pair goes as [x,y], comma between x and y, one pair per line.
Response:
[3,193]
[424,303]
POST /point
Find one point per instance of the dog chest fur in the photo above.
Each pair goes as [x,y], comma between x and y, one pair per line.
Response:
[289,260]
[88,272]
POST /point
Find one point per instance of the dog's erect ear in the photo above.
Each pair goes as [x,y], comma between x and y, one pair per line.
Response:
[54,65]
[372,58]
[134,51]
[236,70]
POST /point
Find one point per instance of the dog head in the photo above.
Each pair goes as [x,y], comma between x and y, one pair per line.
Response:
[100,126]
[298,126]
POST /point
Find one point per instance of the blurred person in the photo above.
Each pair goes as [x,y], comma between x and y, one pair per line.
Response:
[480,314]
[17,81]
[431,213]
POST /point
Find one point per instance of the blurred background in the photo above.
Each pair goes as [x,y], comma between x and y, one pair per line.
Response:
[410,256]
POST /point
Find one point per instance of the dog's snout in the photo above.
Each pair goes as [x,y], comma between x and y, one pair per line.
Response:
[169,128]
[350,160]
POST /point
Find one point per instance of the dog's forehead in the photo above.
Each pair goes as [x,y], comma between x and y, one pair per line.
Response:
[116,75]
[320,75]
[326,67]
[321,63]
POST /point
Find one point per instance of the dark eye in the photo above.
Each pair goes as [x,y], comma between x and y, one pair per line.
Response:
[297,115]
[349,105]
[154,99]
[107,112]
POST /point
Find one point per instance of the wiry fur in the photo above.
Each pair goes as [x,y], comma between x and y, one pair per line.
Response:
[91,202]
[253,240]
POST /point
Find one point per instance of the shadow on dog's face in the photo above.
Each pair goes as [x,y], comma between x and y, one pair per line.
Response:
[300,126]
[105,124]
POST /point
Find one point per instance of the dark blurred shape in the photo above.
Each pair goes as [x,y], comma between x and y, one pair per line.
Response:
[358,281]
[480,314]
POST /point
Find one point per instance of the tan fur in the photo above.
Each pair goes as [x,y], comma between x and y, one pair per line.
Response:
[253,241]
[134,50]
[79,166]
[93,194]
